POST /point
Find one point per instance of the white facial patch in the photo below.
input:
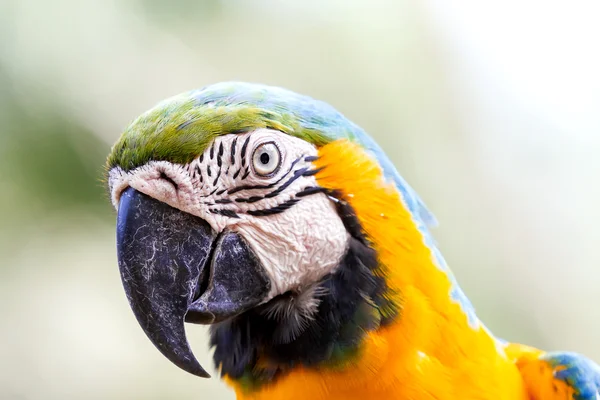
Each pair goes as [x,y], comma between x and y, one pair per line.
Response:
[260,184]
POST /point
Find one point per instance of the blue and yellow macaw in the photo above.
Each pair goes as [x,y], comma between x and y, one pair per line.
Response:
[276,220]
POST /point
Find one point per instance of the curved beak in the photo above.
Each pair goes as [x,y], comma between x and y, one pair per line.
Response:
[175,268]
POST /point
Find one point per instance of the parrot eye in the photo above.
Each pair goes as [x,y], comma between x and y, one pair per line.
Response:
[266,159]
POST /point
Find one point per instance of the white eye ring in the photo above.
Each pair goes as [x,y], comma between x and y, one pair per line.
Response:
[266,159]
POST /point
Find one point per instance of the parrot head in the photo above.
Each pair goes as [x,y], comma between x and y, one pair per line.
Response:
[258,211]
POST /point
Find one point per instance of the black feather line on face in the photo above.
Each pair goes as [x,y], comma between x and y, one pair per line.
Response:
[217,177]
[244,147]
[312,171]
[349,306]
[199,171]
[245,174]
[310,190]
[274,210]
[226,213]
[211,193]
[233,150]
[252,187]
[253,199]
[262,213]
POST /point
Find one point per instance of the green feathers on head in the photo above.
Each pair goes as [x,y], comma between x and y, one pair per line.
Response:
[180,128]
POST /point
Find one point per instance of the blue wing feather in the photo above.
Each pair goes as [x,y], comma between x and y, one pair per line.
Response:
[582,374]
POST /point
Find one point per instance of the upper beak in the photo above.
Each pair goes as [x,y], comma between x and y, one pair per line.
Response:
[175,268]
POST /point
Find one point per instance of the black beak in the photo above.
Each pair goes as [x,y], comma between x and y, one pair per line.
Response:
[175,268]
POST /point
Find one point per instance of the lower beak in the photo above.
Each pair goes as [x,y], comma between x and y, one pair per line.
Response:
[175,268]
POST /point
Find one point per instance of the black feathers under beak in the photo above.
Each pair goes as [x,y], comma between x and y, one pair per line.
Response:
[175,268]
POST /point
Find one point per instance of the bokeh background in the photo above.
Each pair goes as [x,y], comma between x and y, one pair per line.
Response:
[491,110]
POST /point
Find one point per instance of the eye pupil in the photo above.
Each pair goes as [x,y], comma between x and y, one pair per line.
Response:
[264,158]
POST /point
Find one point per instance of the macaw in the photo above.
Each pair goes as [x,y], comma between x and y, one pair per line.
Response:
[274,219]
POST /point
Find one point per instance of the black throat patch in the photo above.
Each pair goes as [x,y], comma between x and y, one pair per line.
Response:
[352,301]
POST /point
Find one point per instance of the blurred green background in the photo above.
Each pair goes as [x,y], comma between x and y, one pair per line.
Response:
[489,109]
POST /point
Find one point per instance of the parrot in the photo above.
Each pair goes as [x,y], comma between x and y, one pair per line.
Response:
[283,226]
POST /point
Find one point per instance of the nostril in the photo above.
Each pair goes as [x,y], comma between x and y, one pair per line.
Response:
[167,178]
